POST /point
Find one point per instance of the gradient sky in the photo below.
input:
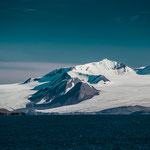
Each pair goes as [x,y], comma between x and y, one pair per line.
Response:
[75,31]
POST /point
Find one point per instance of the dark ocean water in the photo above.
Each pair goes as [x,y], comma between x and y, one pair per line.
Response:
[75,132]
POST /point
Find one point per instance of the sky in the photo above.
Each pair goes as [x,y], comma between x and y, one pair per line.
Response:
[53,33]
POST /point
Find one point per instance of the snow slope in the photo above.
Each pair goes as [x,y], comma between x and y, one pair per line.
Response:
[105,67]
[118,85]
[15,96]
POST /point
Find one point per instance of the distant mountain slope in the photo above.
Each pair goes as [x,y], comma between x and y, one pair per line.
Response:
[125,110]
[144,70]
[85,88]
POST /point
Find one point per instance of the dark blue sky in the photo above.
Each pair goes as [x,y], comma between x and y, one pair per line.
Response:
[75,31]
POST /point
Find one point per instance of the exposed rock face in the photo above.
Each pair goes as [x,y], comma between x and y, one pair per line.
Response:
[59,95]
[80,92]
[126,110]
[93,79]
[30,80]
[52,89]
[6,112]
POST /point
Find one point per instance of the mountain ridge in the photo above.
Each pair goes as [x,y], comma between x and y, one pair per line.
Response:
[91,87]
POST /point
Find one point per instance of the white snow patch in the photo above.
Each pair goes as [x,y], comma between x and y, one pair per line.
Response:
[68,89]
[42,101]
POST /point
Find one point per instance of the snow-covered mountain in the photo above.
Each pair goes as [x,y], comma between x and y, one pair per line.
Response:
[104,67]
[88,88]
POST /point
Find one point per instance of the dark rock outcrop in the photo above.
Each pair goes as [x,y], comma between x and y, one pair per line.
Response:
[80,92]
[30,79]
[57,96]
[126,110]
[93,79]
[6,112]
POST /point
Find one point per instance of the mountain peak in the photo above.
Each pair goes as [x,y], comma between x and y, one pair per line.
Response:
[106,60]
[105,67]
[109,63]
